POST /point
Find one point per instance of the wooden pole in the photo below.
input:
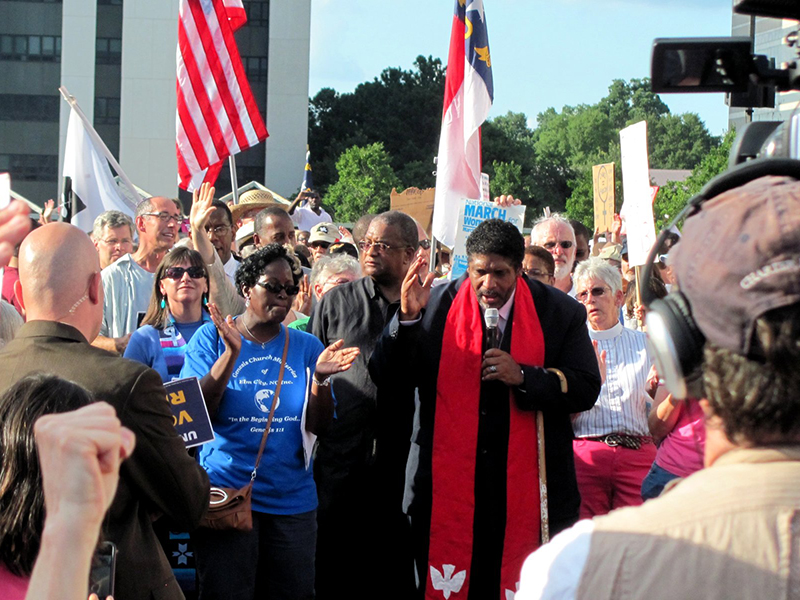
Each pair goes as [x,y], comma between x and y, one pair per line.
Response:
[545,518]
[638,272]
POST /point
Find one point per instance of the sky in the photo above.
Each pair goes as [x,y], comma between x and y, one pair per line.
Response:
[545,53]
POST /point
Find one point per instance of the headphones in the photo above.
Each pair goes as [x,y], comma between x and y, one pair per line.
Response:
[676,341]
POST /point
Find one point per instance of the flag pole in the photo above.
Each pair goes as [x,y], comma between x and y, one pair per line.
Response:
[234,181]
[73,103]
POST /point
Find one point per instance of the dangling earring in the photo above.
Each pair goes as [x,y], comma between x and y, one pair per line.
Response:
[247,301]
[205,299]
[163,303]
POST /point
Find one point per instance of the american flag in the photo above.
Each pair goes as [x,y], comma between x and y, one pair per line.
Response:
[468,96]
[217,113]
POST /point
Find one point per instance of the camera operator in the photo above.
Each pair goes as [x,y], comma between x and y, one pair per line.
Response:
[731,530]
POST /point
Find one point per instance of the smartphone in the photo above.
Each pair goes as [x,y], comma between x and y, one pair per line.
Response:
[104,566]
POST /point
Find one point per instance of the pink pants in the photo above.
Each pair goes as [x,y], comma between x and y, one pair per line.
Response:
[610,478]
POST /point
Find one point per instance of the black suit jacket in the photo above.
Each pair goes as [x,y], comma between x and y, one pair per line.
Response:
[159,478]
[411,353]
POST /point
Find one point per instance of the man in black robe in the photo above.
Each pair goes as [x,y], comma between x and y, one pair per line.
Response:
[567,381]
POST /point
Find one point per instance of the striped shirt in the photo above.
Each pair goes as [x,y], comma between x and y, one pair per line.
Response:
[622,404]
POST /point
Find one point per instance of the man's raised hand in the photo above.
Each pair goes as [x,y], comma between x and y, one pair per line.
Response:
[416,291]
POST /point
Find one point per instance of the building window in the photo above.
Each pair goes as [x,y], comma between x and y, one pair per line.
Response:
[106,111]
[30,167]
[28,107]
[41,48]
[109,2]
[255,67]
[109,51]
[257,13]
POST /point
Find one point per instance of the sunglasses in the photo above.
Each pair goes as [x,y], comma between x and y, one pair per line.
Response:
[275,288]
[177,272]
[596,292]
[537,273]
[566,245]
[425,244]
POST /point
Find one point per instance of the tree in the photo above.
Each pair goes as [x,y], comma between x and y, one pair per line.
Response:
[401,109]
[673,197]
[365,182]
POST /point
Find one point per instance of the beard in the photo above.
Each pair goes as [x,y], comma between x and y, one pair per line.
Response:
[562,270]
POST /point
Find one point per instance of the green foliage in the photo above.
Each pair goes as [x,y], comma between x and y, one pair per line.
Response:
[673,197]
[507,178]
[550,165]
[365,182]
[401,109]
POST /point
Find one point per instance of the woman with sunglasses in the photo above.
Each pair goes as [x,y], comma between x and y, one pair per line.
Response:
[238,362]
[176,312]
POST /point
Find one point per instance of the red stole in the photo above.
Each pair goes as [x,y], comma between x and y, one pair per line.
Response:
[455,441]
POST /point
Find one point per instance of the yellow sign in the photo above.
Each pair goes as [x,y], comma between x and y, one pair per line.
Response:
[604,196]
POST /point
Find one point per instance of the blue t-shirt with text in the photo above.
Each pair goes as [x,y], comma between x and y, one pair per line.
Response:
[283,485]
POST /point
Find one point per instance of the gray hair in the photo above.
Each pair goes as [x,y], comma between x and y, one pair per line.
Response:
[333,264]
[146,205]
[10,322]
[557,218]
[111,219]
[600,269]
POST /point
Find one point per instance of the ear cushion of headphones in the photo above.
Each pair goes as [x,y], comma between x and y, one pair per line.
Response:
[680,351]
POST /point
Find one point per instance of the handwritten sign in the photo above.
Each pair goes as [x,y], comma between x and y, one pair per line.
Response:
[604,196]
[189,411]
[472,213]
[637,210]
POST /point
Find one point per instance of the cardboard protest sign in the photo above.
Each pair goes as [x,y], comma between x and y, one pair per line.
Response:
[415,203]
[637,210]
[189,412]
[470,214]
[603,179]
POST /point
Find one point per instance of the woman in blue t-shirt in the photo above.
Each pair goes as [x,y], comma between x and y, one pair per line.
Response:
[180,291]
[238,361]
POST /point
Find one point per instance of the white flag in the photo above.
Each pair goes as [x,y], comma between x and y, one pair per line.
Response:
[92,181]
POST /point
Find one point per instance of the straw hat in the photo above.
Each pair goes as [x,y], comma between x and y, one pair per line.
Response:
[253,199]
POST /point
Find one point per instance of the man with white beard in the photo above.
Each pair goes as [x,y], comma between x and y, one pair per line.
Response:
[556,235]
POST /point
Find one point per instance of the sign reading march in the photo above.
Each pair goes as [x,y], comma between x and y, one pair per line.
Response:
[189,412]
[470,214]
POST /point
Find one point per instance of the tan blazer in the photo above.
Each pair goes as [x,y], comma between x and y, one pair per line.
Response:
[729,531]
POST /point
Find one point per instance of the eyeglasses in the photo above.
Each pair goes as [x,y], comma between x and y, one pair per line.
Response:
[177,272]
[425,244]
[596,292]
[365,245]
[116,242]
[275,288]
[165,217]
[537,273]
[566,245]
[219,230]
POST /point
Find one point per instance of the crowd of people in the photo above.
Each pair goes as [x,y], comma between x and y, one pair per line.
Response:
[427,433]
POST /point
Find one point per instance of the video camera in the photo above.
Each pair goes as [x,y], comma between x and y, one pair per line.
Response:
[685,65]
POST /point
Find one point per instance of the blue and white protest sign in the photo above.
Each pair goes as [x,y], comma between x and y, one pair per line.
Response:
[470,214]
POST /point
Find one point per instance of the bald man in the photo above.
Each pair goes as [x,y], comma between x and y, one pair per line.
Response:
[62,292]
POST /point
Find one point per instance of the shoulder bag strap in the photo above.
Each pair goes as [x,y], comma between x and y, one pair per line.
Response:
[272,408]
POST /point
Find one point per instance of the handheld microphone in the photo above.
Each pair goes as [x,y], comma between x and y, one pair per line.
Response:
[490,318]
